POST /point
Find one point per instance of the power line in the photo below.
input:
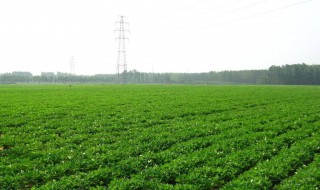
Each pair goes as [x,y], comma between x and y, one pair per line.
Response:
[192,16]
[219,14]
[264,12]
[158,9]
[176,11]
[246,17]
[274,10]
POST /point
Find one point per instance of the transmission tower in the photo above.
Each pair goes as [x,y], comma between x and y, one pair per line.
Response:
[122,60]
[72,65]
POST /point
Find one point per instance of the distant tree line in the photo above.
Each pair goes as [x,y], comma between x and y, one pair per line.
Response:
[297,74]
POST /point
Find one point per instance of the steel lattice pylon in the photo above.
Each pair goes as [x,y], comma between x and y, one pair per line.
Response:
[122,60]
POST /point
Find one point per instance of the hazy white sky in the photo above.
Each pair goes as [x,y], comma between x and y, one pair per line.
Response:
[166,35]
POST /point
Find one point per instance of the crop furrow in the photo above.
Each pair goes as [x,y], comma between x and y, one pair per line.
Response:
[271,172]
[182,165]
[306,177]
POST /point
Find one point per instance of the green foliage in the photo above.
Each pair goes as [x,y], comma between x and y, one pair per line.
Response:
[296,74]
[159,137]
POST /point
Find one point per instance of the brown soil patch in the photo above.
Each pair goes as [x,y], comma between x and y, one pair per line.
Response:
[4,147]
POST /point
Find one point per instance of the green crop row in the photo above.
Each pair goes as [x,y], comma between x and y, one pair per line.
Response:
[151,137]
[134,164]
[307,177]
[271,172]
[212,168]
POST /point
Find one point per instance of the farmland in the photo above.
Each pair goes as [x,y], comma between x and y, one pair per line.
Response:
[159,137]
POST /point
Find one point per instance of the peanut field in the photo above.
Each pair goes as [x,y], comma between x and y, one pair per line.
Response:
[159,137]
